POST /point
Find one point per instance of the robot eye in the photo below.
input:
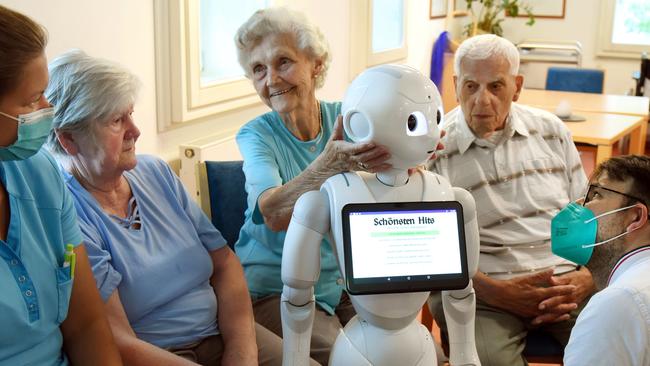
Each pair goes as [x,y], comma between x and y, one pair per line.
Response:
[412,123]
[438,117]
[416,124]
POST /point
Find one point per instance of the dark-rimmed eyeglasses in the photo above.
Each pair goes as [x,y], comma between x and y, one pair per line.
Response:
[593,189]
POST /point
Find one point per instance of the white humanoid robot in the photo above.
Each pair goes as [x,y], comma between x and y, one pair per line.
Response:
[396,237]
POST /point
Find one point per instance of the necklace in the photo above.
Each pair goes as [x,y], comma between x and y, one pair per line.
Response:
[314,145]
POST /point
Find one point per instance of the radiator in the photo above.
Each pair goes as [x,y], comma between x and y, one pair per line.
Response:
[219,147]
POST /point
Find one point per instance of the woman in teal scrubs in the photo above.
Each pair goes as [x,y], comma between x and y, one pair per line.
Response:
[50,311]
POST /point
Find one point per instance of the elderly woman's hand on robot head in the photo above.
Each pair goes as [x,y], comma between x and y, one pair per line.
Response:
[287,58]
[398,107]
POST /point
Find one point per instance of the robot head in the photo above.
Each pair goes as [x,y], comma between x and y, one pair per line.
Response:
[398,107]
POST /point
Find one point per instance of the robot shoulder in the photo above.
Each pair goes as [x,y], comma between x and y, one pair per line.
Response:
[437,185]
[434,178]
[346,187]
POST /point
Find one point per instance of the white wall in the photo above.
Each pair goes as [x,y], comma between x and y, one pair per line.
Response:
[580,23]
[122,30]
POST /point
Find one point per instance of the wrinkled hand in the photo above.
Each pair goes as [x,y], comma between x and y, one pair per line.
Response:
[523,295]
[341,156]
[440,146]
[556,308]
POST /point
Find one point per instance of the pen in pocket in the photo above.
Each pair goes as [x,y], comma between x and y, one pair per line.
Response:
[69,259]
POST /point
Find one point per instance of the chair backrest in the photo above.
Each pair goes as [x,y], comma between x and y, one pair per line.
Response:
[225,204]
[577,80]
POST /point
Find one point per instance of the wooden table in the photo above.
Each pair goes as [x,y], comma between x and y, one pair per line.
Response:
[604,129]
[587,102]
[590,105]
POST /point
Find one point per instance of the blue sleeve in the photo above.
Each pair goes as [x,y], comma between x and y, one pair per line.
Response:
[69,223]
[107,278]
[260,168]
[210,237]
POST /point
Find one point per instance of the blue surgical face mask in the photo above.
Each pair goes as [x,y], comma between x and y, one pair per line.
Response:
[573,232]
[33,129]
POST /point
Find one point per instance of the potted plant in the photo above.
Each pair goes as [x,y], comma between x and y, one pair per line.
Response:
[492,13]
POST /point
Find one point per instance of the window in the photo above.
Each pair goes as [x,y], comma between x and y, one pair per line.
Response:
[387,25]
[197,72]
[219,21]
[377,33]
[625,28]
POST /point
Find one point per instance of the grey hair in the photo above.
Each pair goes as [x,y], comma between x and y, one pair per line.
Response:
[280,20]
[484,47]
[86,91]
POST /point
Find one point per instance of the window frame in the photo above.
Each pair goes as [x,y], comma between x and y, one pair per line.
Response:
[180,97]
[604,46]
[361,53]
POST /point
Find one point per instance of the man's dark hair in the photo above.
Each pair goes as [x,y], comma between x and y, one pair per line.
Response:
[635,168]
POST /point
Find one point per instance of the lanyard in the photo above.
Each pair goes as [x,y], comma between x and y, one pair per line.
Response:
[626,257]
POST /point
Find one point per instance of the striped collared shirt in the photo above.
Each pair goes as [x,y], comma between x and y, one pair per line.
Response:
[519,184]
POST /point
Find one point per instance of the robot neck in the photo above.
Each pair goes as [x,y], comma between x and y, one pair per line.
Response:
[393,177]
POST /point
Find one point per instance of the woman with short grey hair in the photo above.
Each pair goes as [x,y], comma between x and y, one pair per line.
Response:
[160,265]
[287,152]
[84,100]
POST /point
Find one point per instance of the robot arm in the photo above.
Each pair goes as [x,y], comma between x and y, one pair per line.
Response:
[460,305]
[300,271]
[471,229]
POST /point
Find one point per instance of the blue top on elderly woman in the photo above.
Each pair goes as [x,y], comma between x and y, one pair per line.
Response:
[157,257]
[272,157]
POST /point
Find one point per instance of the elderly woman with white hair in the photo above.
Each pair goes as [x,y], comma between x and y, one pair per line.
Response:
[287,152]
[174,292]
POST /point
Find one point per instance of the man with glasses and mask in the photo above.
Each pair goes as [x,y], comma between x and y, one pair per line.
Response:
[609,233]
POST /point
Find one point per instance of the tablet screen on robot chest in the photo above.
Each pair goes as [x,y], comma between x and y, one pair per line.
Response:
[404,247]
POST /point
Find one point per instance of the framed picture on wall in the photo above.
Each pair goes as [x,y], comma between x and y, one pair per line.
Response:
[460,8]
[437,9]
[553,9]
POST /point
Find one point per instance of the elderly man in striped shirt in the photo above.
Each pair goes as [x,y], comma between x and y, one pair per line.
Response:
[522,167]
